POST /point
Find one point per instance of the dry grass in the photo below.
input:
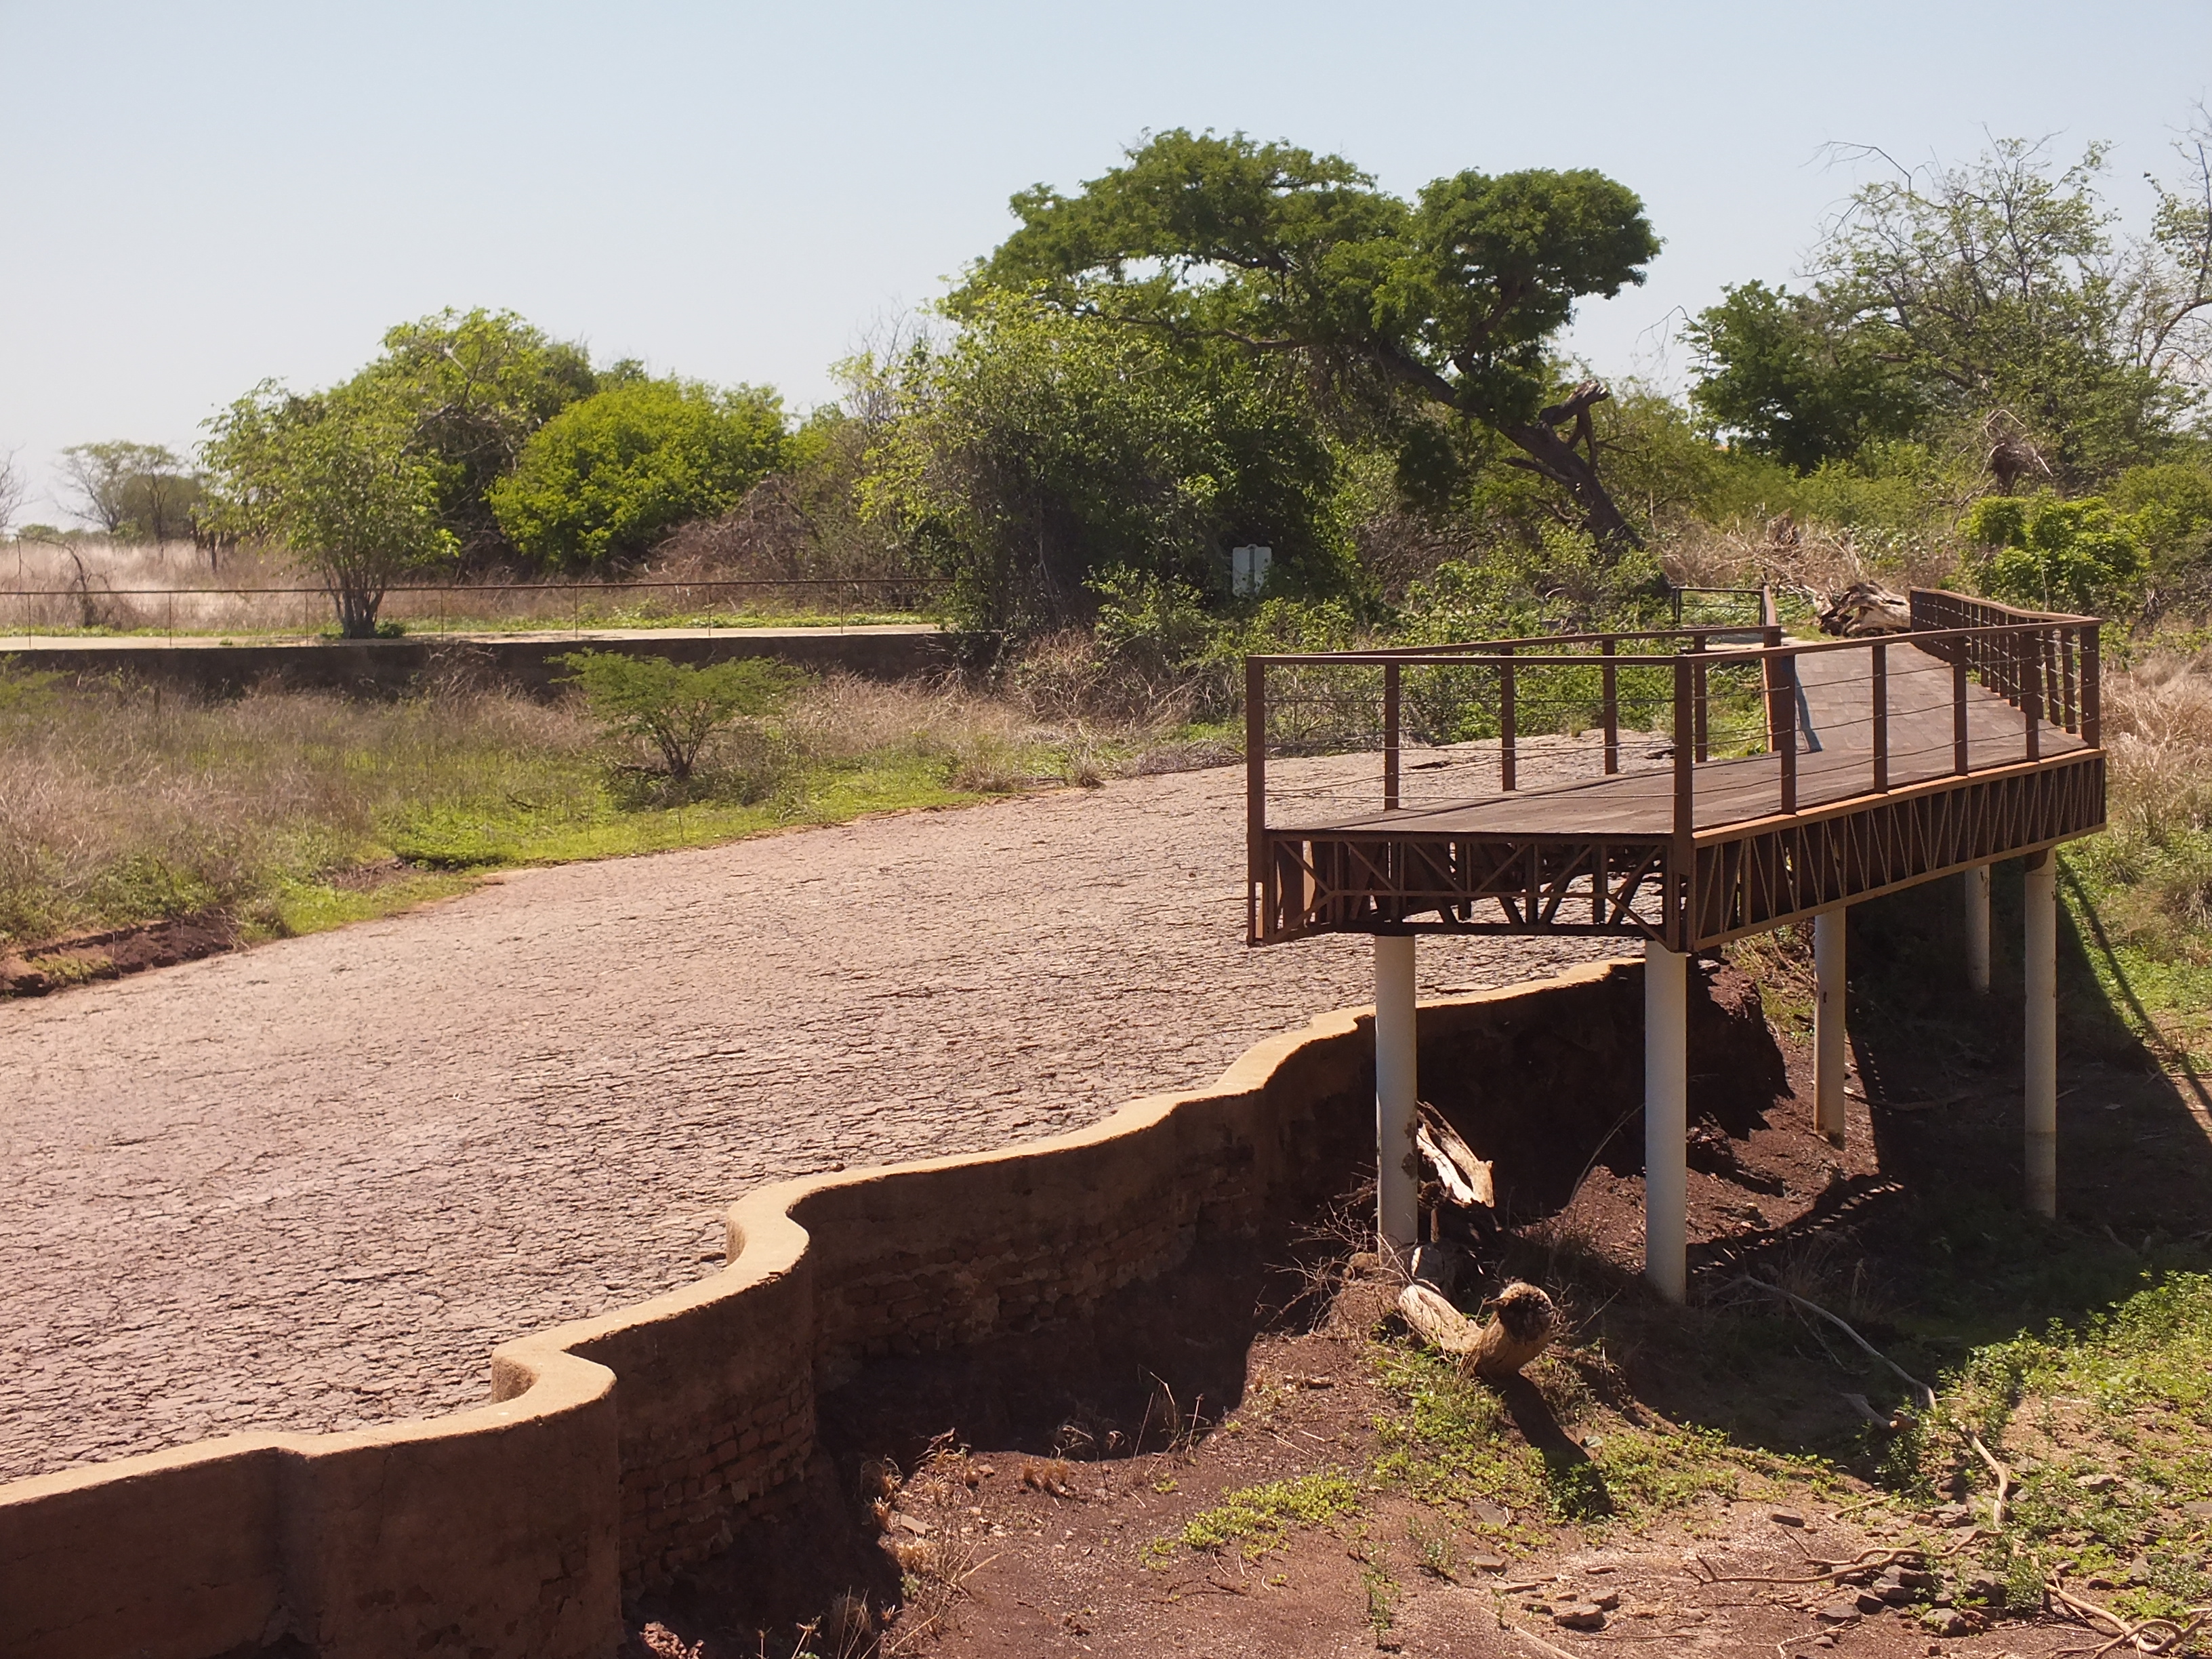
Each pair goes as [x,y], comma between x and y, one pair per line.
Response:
[1809,561]
[133,587]
[120,805]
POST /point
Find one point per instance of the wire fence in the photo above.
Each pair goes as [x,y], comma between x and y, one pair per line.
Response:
[450,608]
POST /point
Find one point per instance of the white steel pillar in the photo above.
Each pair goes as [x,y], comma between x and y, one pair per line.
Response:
[2039,902]
[1397,1216]
[1828,1023]
[1666,1120]
[1977,882]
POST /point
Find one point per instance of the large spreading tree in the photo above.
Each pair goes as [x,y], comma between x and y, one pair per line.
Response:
[1446,306]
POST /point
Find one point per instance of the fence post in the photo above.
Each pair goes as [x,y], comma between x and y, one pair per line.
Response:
[1698,694]
[1961,762]
[2093,691]
[1771,638]
[2031,694]
[1785,724]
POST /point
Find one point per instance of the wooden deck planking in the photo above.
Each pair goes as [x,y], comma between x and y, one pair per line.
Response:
[1835,762]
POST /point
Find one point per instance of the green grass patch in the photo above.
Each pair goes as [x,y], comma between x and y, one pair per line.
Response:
[2108,1424]
[1257,1519]
[1449,1441]
[316,907]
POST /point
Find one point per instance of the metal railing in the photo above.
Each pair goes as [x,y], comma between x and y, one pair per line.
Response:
[2044,664]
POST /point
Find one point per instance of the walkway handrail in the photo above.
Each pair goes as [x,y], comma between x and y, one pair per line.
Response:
[2043,664]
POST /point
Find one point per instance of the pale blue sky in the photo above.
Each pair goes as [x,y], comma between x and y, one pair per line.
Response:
[203,195]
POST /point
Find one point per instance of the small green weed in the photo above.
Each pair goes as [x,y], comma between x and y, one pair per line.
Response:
[1257,1518]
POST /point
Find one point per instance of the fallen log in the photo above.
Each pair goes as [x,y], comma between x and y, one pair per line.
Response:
[1523,1319]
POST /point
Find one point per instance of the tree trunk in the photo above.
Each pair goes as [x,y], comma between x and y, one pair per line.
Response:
[1553,458]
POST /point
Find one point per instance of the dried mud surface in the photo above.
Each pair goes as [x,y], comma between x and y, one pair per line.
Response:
[308,1186]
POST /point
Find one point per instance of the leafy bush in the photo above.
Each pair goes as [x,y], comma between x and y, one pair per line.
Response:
[2077,555]
[605,479]
[674,707]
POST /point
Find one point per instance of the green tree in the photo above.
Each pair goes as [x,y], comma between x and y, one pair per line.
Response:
[1779,376]
[339,480]
[1038,450]
[1450,301]
[672,708]
[1996,291]
[2169,507]
[475,386]
[469,388]
[604,480]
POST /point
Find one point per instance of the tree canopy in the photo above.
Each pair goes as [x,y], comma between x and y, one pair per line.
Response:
[604,479]
[1994,292]
[341,480]
[1447,304]
[1039,452]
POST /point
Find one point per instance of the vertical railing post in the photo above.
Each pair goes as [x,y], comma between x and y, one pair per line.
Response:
[1961,760]
[1771,637]
[2093,691]
[2031,693]
[1681,929]
[2067,680]
[1698,694]
[1505,719]
[1255,793]
[1880,676]
[1610,674]
[1389,737]
[1785,726]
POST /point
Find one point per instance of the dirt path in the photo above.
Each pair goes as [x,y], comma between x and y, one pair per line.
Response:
[309,1186]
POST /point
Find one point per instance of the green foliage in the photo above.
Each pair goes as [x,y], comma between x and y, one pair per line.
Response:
[2169,507]
[1992,292]
[1256,1519]
[1783,378]
[462,392]
[1039,451]
[604,479]
[339,479]
[1451,300]
[2111,1424]
[473,386]
[2050,554]
[675,708]
[1562,582]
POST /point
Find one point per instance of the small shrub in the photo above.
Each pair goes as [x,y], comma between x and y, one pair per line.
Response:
[674,707]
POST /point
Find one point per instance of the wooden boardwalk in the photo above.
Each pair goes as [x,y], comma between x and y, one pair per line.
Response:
[1834,763]
[1886,762]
